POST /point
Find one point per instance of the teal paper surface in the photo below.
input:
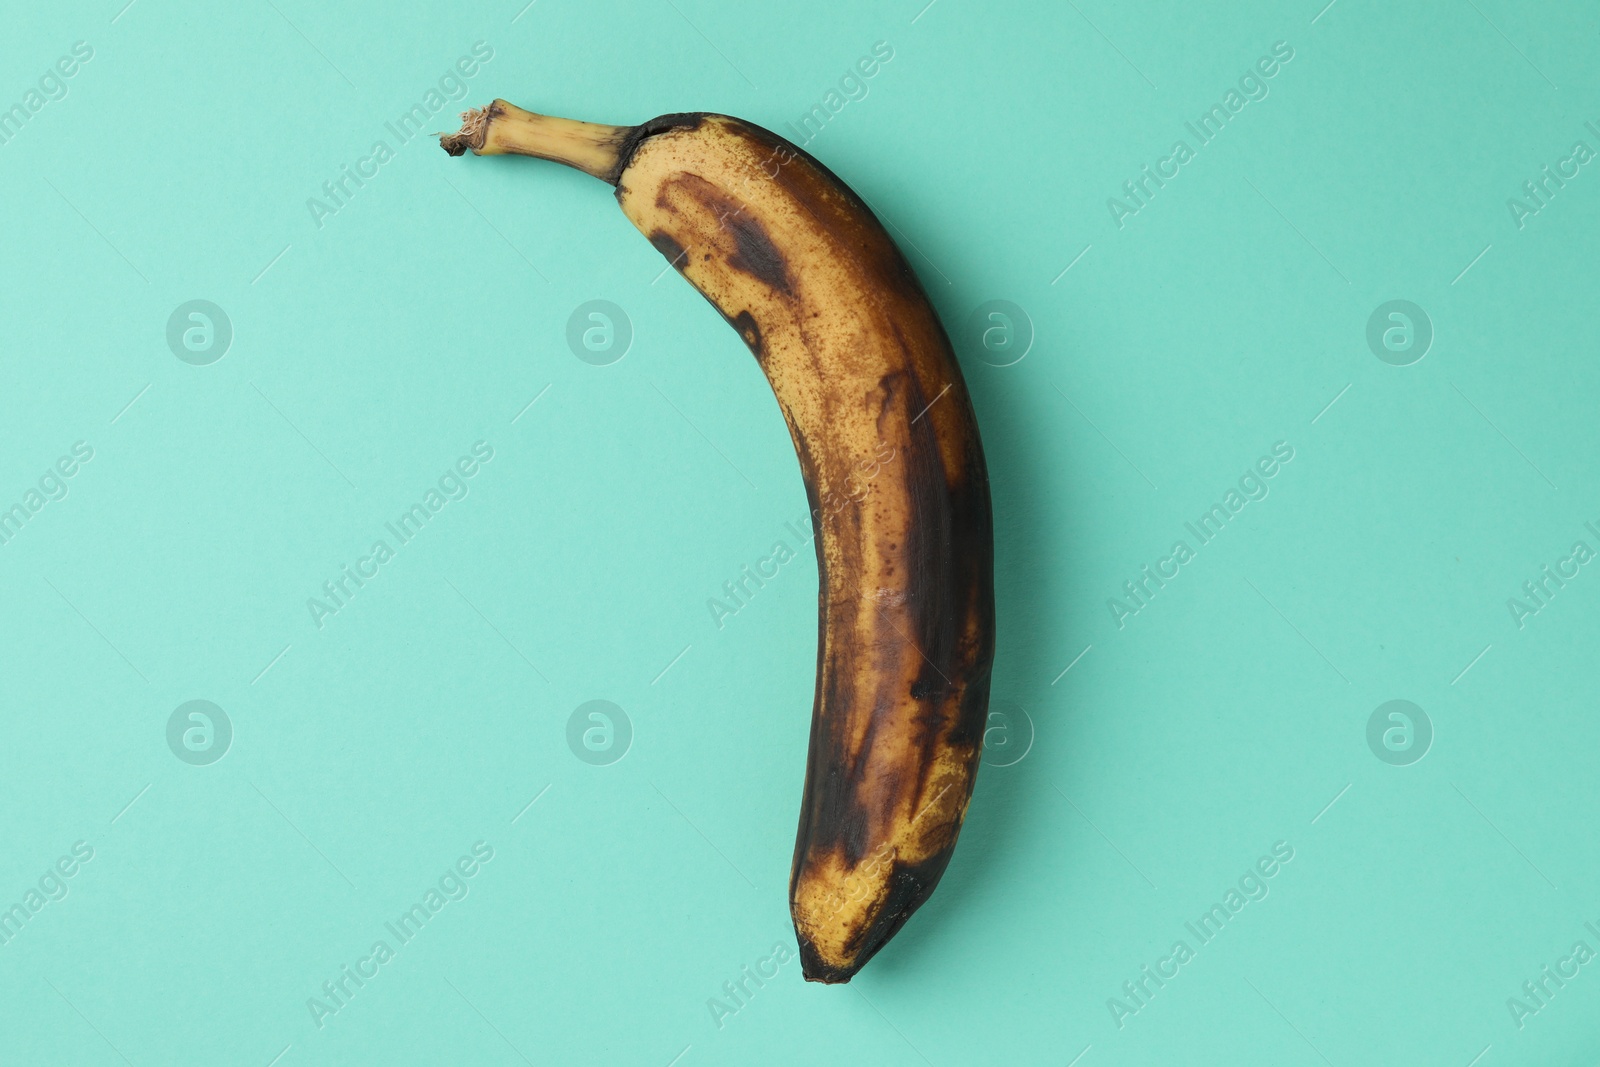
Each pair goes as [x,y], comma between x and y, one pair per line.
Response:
[365,516]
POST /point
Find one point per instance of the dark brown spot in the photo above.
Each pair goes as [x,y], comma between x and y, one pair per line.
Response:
[748,328]
[745,323]
[756,255]
[668,246]
[754,252]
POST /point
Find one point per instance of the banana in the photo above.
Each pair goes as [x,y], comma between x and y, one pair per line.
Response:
[889,451]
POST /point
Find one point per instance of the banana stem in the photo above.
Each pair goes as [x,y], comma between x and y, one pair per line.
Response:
[505,129]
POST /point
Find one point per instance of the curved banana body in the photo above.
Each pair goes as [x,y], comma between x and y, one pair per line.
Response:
[889,450]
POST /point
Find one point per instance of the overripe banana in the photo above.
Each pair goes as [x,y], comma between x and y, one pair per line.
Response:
[889,450]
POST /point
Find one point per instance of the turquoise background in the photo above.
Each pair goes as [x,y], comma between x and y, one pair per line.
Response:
[371,352]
